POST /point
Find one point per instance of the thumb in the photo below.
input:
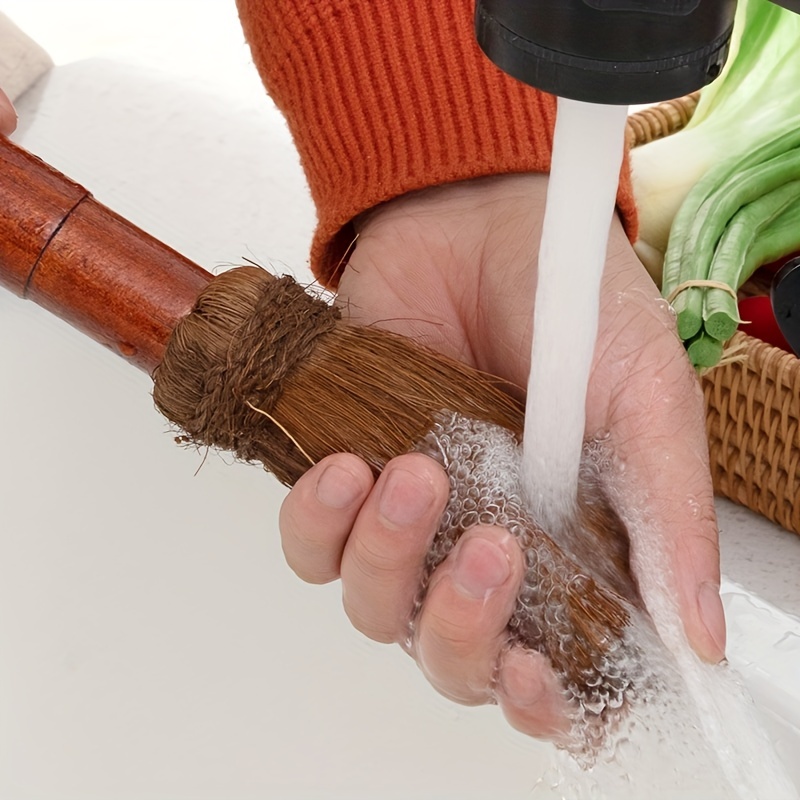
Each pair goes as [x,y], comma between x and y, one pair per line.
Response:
[659,434]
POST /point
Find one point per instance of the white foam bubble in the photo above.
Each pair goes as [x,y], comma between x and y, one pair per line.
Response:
[650,719]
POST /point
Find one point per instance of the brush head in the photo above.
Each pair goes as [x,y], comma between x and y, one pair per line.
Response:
[266,370]
[577,596]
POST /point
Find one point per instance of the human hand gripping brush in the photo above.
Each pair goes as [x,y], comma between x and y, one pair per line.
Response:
[327,386]
[383,395]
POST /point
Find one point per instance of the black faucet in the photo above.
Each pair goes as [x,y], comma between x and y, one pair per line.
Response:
[609,51]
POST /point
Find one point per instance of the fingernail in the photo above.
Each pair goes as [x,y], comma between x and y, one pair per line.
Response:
[522,679]
[713,616]
[337,487]
[404,498]
[480,568]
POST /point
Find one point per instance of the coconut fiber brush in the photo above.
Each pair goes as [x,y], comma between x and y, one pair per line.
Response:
[254,364]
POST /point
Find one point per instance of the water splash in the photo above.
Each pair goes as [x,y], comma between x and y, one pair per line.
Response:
[648,718]
[689,730]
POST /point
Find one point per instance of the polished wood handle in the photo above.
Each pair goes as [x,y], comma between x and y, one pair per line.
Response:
[100,273]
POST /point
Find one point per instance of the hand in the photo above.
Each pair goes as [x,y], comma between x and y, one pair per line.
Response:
[8,117]
[454,268]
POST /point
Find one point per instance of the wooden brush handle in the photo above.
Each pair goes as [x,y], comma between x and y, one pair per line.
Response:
[255,365]
[70,254]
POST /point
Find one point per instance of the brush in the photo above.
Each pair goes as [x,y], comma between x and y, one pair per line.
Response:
[255,364]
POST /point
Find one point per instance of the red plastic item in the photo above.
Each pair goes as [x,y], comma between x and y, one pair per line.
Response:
[760,321]
[775,266]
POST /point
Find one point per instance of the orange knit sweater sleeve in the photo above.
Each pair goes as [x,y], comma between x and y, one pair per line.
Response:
[384,97]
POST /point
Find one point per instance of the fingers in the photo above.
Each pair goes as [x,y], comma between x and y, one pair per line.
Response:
[462,636]
[675,467]
[8,117]
[336,523]
[384,555]
[670,462]
[530,695]
[658,421]
[462,628]
[317,515]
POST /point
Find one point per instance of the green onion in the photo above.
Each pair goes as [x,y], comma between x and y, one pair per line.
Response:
[694,247]
[756,96]
[727,187]
[748,176]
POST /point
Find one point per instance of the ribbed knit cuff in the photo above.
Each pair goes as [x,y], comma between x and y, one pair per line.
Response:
[384,97]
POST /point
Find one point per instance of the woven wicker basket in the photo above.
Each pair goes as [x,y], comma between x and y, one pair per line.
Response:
[752,404]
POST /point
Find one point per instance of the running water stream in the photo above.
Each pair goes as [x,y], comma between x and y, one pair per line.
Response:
[696,735]
[584,173]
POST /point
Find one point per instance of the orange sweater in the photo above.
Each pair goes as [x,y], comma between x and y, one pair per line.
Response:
[387,96]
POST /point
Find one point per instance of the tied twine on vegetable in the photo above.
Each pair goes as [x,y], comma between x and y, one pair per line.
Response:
[714,235]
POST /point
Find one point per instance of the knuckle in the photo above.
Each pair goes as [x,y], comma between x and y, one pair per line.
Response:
[313,557]
[373,563]
[370,623]
[452,639]
[449,643]
[310,574]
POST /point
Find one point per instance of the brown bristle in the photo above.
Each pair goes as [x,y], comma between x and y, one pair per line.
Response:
[264,369]
[595,617]
[375,393]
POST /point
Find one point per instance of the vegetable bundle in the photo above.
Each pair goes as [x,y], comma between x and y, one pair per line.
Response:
[727,187]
